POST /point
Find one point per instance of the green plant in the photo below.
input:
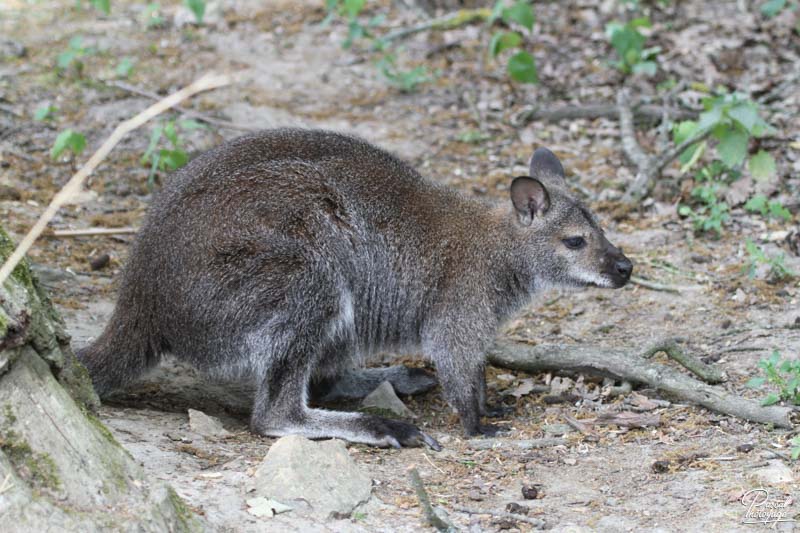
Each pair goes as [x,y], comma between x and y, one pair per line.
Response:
[101,5]
[198,9]
[68,140]
[795,442]
[125,67]
[777,269]
[351,11]
[151,16]
[629,42]
[768,208]
[772,7]
[172,156]
[404,80]
[73,54]
[45,112]
[783,375]
[521,66]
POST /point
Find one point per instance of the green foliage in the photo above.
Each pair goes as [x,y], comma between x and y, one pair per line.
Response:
[521,66]
[198,9]
[151,17]
[473,137]
[102,5]
[45,112]
[768,208]
[351,11]
[707,212]
[68,140]
[125,67]
[783,375]
[169,155]
[778,271]
[73,54]
[795,442]
[629,42]
[404,80]
[772,7]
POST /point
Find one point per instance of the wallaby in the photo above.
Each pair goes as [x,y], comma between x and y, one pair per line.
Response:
[289,256]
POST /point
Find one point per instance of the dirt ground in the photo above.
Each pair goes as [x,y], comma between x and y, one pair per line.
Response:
[293,71]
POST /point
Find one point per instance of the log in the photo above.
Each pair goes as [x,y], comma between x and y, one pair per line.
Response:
[60,468]
[630,365]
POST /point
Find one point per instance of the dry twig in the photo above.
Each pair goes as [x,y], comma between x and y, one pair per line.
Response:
[647,167]
[445,22]
[431,518]
[89,232]
[629,365]
[73,186]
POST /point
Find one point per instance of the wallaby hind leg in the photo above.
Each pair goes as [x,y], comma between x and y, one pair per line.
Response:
[280,406]
[357,383]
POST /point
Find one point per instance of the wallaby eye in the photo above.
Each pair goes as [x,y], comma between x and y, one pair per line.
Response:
[574,243]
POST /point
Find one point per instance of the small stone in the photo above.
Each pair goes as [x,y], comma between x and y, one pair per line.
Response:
[660,467]
[776,472]
[318,478]
[530,492]
[516,508]
[205,425]
[100,262]
[745,448]
[556,430]
[385,399]
[475,495]
[262,507]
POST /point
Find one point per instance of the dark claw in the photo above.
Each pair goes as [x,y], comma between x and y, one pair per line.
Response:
[431,442]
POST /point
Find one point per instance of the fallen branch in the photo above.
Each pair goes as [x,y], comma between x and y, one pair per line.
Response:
[537,523]
[647,167]
[73,186]
[629,365]
[188,112]
[431,518]
[528,444]
[445,22]
[89,232]
[654,286]
[707,373]
[642,113]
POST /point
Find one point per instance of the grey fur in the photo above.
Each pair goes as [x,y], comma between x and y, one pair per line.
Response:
[290,256]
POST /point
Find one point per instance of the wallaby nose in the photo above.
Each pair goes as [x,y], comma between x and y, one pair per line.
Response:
[624,267]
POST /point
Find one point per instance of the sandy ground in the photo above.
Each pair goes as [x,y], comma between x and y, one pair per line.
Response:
[295,73]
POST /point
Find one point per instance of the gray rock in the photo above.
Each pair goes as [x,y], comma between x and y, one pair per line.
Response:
[557,430]
[316,478]
[774,473]
[384,398]
[205,425]
[615,524]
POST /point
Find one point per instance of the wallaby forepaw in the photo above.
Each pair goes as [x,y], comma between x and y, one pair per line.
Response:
[401,434]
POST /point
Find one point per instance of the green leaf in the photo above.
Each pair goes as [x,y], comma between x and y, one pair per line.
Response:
[683,130]
[522,68]
[102,5]
[745,114]
[171,133]
[757,204]
[709,119]
[778,211]
[44,112]
[68,140]
[198,8]
[521,13]
[732,147]
[124,67]
[772,7]
[691,155]
[795,452]
[353,7]
[503,41]
[173,159]
[645,67]
[65,59]
[771,399]
[684,210]
[762,166]
[755,383]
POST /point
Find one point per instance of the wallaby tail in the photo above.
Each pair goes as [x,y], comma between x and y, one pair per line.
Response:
[123,352]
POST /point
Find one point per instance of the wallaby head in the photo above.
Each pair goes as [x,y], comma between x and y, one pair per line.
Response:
[564,242]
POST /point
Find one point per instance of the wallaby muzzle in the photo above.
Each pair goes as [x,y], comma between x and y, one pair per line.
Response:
[616,266]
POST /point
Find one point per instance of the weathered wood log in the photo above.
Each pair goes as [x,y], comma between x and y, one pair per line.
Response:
[60,468]
[628,365]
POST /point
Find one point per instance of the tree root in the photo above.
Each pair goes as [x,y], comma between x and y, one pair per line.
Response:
[643,113]
[632,366]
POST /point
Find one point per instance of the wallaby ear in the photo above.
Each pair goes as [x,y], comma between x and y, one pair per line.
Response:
[546,166]
[530,198]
